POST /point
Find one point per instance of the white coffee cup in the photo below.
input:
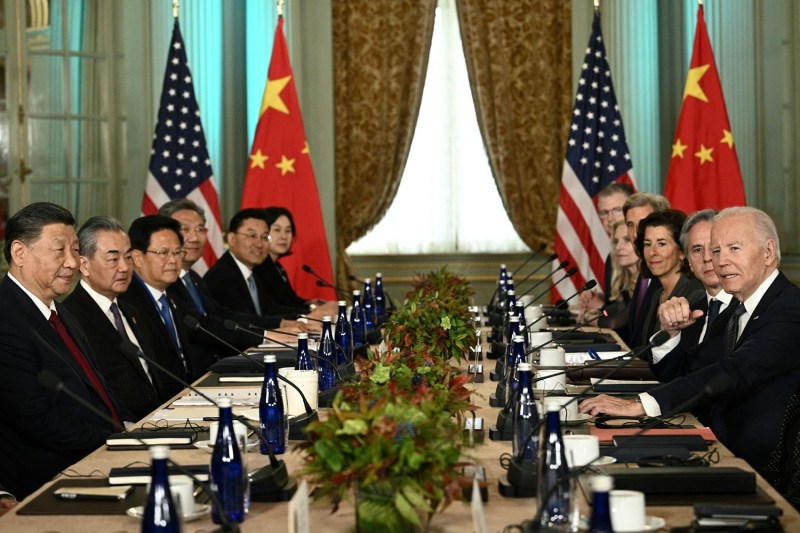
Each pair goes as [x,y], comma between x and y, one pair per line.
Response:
[550,380]
[538,338]
[182,489]
[526,300]
[581,449]
[238,428]
[308,382]
[627,510]
[552,356]
[568,410]
[532,313]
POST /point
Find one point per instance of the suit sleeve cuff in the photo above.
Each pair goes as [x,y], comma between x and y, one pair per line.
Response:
[659,352]
[650,405]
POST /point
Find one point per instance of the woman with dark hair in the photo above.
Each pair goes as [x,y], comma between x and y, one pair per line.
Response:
[661,256]
[271,272]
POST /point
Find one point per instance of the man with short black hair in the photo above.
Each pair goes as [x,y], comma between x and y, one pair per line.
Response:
[44,431]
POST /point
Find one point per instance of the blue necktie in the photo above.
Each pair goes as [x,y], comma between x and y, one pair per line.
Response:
[166,316]
[251,284]
[194,293]
[713,312]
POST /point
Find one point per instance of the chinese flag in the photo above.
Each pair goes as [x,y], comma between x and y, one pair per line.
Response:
[279,173]
[703,170]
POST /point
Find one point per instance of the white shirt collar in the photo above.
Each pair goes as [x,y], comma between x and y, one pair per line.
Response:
[751,303]
[45,310]
[102,301]
[246,271]
[722,296]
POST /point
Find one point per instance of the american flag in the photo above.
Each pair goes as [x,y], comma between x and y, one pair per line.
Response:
[597,155]
[179,162]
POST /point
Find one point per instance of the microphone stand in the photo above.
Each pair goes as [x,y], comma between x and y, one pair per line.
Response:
[298,423]
[51,381]
[521,480]
[269,483]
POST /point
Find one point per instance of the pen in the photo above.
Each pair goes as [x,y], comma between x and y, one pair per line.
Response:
[593,354]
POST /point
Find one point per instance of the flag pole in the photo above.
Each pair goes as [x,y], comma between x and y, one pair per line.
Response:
[176,5]
[280,8]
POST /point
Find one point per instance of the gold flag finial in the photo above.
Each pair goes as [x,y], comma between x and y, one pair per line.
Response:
[280,8]
[596,5]
[699,2]
[176,5]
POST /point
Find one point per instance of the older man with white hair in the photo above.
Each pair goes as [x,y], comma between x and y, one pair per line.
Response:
[755,353]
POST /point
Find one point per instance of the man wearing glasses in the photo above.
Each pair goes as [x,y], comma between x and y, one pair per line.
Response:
[157,253]
[231,279]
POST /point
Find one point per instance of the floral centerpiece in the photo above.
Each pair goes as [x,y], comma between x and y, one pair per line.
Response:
[394,436]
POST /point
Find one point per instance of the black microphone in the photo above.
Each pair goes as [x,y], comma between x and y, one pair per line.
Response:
[600,312]
[235,326]
[51,381]
[297,423]
[718,384]
[321,283]
[534,254]
[561,266]
[550,259]
[569,273]
[589,285]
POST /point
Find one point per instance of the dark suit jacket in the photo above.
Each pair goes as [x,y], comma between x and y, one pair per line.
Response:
[269,272]
[229,288]
[215,317]
[167,355]
[43,432]
[764,369]
[689,288]
[636,320]
[122,370]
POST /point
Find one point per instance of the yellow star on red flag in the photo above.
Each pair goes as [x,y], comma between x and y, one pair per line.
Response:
[286,165]
[704,154]
[272,95]
[693,83]
[257,159]
[678,149]
[727,138]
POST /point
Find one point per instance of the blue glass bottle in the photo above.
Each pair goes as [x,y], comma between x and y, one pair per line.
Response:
[327,357]
[554,483]
[271,415]
[502,299]
[503,272]
[511,301]
[344,336]
[601,507]
[303,361]
[357,321]
[227,472]
[368,305]
[523,324]
[160,512]
[380,297]
[512,375]
[525,442]
[512,330]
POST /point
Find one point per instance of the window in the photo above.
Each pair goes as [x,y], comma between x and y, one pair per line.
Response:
[447,201]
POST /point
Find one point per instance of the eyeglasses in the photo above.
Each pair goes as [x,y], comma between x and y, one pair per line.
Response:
[252,236]
[199,230]
[605,213]
[164,254]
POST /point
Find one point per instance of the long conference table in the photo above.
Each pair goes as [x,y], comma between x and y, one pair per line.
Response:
[499,511]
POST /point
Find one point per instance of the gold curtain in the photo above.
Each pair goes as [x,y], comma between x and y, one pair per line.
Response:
[380,57]
[518,60]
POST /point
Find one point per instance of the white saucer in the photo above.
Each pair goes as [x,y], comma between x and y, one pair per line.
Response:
[604,460]
[582,417]
[208,446]
[200,510]
[651,523]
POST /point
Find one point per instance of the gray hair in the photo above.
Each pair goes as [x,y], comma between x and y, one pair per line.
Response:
[87,235]
[656,201]
[181,204]
[704,215]
[762,224]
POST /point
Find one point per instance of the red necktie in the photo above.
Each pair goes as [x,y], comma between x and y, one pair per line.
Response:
[58,325]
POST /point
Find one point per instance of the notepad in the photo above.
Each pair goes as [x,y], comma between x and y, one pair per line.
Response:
[140,475]
[143,438]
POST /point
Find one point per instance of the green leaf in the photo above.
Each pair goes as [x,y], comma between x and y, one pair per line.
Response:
[406,510]
[353,427]
[330,454]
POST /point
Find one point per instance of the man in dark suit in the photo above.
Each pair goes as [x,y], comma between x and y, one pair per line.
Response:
[231,280]
[106,271]
[43,431]
[157,255]
[192,290]
[756,350]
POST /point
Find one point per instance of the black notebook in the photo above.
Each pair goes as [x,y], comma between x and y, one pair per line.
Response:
[140,475]
[141,439]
